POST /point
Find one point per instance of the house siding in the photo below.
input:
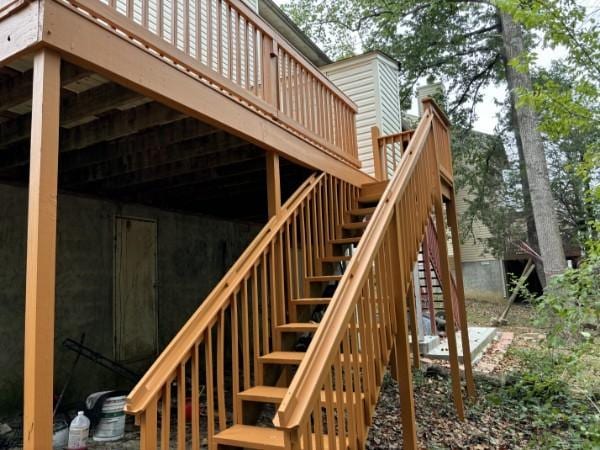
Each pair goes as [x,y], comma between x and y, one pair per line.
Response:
[371,81]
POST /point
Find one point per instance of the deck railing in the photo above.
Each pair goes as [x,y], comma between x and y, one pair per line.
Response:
[229,47]
[337,383]
[216,353]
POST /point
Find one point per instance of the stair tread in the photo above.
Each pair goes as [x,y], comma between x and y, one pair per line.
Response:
[369,198]
[355,225]
[323,278]
[266,394]
[272,394]
[282,357]
[362,211]
[312,301]
[350,240]
[336,258]
[299,327]
[248,436]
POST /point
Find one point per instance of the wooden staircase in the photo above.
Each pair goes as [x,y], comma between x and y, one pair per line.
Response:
[303,327]
[340,249]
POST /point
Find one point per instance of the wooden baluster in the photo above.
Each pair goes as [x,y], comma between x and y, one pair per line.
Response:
[174,22]
[186,27]
[148,426]
[255,324]
[329,411]
[181,400]
[318,424]
[274,300]
[221,372]
[210,394]
[339,400]
[165,417]
[357,370]
[245,335]
[195,393]
[235,372]
[219,37]
[265,308]
[348,392]
[209,34]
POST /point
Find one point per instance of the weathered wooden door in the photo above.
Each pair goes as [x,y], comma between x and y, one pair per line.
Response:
[135,303]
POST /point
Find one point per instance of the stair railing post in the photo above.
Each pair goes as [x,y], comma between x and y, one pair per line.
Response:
[401,344]
[378,158]
[462,310]
[446,283]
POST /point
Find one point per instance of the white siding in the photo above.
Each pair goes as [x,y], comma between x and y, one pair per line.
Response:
[371,81]
[473,248]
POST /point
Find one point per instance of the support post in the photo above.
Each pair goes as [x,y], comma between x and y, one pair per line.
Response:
[41,253]
[378,159]
[273,184]
[448,306]
[462,310]
[401,346]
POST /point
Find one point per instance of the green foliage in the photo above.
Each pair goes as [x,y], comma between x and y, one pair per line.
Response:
[570,309]
[540,395]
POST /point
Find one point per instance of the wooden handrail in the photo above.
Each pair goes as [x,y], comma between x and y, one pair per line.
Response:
[149,386]
[249,306]
[229,47]
[298,402]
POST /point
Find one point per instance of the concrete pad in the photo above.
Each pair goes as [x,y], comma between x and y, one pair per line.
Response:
[428,343]
[479,338]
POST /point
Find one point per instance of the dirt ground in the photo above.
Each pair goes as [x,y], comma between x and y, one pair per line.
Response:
[485,427]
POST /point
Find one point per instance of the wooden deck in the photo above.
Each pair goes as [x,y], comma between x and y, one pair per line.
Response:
[184,121]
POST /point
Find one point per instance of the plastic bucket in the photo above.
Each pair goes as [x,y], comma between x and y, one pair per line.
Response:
[111,426]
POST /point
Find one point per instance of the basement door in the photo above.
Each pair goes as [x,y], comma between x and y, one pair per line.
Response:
[135,302]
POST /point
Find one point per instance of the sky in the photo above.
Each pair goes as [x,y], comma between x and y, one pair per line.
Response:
[487,110]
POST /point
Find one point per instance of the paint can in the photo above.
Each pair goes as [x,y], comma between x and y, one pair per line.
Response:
[111,426]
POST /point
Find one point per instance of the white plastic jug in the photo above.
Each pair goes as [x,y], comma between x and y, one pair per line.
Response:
[79,431]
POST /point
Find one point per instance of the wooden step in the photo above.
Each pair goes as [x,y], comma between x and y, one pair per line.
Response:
[369,198]
[247,436]
[336,258]
[263,394]
[307,327]
[323,278]
[271,394]
[283,358]
[355,225]
[346,241]
[361,212]
[311,301]
[377,187]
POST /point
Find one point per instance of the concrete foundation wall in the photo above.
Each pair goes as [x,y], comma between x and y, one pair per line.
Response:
[194,252]
[483,279]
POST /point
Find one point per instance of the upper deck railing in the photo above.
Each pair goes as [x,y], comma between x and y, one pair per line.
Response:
[230,48]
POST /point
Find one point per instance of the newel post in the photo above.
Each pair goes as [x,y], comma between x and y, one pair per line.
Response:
[378,159]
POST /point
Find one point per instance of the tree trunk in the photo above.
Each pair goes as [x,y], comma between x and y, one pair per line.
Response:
[542,203]
[532,238]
